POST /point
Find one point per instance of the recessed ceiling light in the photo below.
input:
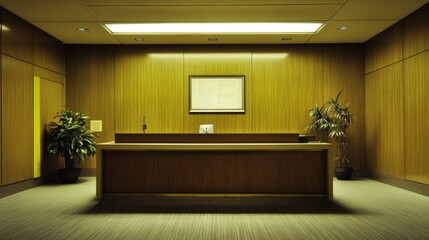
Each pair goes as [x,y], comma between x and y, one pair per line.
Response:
[139,39]
[83,29]
[343,28]
[201,28]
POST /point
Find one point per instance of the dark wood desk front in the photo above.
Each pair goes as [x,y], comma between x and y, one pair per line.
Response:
[283,169]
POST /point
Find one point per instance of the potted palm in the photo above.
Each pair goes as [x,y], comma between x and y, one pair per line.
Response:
[70,139]
[333,120]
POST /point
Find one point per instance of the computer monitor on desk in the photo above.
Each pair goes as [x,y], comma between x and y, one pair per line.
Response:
[206,128]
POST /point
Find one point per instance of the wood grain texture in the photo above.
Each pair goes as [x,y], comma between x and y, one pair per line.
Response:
[49,75]
[17,126]
[396,100]
[343,67]
[285,77]
[48,52]
[51,100]
[1,111]
[17,41]
[91,87]
[416,32]
[214,172]
[149,83]
[206,138]
[282,84]
[384,49]
[416,92]
[218,60]
[384,129]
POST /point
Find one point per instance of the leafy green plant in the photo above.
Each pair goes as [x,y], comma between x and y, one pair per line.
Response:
[70,138]
[333,120]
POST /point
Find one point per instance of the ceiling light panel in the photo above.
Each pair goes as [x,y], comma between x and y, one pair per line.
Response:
[221,28]
[204,2]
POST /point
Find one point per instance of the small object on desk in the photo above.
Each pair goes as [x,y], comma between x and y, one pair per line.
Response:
[144,124]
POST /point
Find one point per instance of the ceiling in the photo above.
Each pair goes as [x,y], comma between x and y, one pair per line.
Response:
[61,18]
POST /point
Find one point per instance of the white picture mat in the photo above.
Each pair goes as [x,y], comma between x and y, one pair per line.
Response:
[217,94]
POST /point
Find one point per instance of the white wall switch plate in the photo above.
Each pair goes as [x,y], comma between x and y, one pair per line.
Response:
[96,125]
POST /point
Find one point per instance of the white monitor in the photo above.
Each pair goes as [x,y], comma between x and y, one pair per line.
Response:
[206,128]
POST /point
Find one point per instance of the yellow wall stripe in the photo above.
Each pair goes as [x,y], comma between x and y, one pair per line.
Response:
[37,140]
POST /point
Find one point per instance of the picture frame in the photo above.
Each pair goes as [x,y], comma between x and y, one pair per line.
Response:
[217,94]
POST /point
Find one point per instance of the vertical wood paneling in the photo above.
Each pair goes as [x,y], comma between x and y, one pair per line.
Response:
[416,81]
[1,107]
[49,75]
[48,52]
[16,37]
[396,100]
[416,32]
[282,84]
[218,60]
[51,100]
[149,83]
[384,49]
[91,88]
[285,77]
[17,124]
[384,110]
[343,67]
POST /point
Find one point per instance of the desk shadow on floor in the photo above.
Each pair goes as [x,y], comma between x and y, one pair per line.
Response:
[220,205]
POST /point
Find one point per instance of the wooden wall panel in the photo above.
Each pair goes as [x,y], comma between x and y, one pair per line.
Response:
[396,100]
[48,52]
[343,67]
[1,37]
[49,75]
[384,111]
[149,83]
[218,60]
[51,100]
[1,107]
[416,32]
[16,37]
[285,77]
[282,84]
[416,81]
[17,126]
[384,49]
[91,88]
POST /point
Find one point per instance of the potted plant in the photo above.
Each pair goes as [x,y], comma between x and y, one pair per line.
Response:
[70,139]
[333,120]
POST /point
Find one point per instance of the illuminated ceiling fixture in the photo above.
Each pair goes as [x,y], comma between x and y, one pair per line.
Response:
[83,29]
[343,28]
[205,28]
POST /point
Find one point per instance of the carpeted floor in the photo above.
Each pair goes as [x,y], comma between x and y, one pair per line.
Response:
[362,209]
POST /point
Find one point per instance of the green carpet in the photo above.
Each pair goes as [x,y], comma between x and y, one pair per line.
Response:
[362,209]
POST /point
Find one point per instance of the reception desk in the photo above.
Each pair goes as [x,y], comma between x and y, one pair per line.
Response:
[214,167]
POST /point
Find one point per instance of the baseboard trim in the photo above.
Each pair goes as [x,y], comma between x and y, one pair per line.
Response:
[88,172]
[412,186]
[18,187]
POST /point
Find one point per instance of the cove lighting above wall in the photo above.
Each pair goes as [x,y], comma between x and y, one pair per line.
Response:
[205,28]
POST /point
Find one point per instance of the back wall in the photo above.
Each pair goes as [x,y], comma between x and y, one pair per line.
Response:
[120,84]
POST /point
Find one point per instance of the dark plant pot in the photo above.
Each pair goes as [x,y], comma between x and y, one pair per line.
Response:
[343,173]
[68,175]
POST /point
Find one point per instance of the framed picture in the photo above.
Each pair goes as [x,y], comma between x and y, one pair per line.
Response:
[211,94]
